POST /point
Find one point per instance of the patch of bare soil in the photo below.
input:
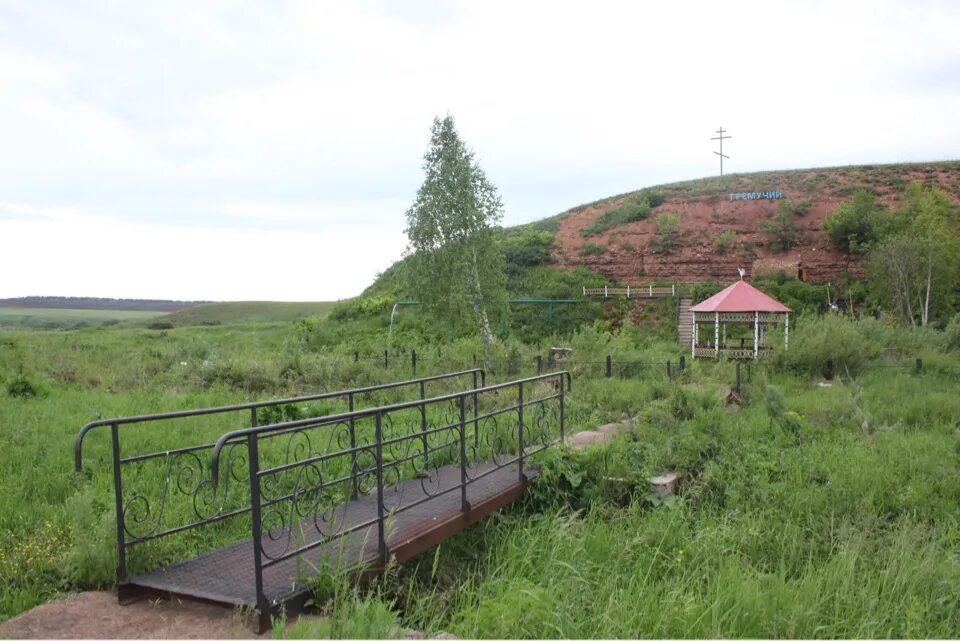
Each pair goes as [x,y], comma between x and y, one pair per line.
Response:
[98,615]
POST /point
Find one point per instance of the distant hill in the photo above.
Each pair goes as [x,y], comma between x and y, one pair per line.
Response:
[74,302]
[722,223]
[241,312]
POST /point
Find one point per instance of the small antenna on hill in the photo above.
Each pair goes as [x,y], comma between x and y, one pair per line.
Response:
[721,138]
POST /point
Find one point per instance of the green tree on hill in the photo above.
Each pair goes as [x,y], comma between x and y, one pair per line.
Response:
[859,224]
[456,269]
[917,263]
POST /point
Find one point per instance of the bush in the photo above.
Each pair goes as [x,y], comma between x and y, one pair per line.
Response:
[592,249]
[22,387]
[783,228]
[725,241]
[632,209]
[529,248]
[160,325]
[856,225]
[668,226]
[828,338]
[952,334]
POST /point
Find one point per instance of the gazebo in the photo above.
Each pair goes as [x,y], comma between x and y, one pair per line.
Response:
[740,304]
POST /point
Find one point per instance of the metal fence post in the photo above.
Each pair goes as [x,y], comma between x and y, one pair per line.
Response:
[476,409]
[354,484]
[609,367]
[118,498]
[356,357]
[669,370]
[683,362]
[386,358]
[560,380]
[413,362]
[539,364]
[464,505]
[520,429]
[919,365]
[257,530]
[738,377]
[381,529]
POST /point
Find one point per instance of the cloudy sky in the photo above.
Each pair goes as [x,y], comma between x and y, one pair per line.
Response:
[268,151]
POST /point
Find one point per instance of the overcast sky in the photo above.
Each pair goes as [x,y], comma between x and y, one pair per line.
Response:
[268,151]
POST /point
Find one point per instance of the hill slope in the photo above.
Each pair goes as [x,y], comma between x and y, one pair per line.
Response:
[626,253]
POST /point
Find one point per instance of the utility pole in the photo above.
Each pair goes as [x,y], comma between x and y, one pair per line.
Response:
[721,138]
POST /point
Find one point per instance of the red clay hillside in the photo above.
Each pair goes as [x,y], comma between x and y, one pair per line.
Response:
[627,253]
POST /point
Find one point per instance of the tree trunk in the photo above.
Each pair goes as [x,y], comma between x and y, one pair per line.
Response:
[483,323]
[925,312]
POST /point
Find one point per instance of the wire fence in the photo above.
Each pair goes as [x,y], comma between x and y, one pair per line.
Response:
[429,361]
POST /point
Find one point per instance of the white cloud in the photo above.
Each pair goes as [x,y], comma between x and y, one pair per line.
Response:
[307,121]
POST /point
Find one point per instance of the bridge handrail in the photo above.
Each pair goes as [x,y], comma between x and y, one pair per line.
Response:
[289,512]
[254,405]
[238,434]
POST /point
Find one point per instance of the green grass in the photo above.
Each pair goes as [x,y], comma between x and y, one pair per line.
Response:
[244,312]
[833,516]
[37,317]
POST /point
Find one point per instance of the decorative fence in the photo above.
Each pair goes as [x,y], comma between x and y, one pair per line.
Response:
[632,291]
[304,476]
[161,490]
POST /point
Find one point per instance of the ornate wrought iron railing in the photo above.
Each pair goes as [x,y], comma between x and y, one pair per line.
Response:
[161,491]
[301,474]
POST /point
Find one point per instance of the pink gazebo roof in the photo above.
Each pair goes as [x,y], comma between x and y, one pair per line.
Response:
[740,297]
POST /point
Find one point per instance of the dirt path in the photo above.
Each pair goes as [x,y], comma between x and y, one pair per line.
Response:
[97,615]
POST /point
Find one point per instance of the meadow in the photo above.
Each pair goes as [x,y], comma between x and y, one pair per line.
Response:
[48,318]
[808,507]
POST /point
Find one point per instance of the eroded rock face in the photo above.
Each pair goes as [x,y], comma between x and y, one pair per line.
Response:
[630,258]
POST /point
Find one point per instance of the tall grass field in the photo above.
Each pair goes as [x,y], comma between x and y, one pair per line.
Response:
[807,506]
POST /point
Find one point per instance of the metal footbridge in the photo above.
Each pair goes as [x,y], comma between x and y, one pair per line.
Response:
[357,479]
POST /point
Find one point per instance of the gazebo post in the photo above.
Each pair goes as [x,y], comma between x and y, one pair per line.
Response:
[693,337]
[786,330]
[724,329]
[756,331]
[716,333]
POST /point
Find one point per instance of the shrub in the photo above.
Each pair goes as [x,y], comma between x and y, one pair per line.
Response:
[952,334]
[725,241]
[22,387]
[592,249]
[668,227]
[783,228]
[632,209]
[828,338]
[160,325]
[529,248]
[856,225]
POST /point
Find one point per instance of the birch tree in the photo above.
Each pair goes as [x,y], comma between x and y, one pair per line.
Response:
[456,269]
[918,263]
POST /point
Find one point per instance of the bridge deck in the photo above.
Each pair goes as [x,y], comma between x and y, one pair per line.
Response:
[226,575]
